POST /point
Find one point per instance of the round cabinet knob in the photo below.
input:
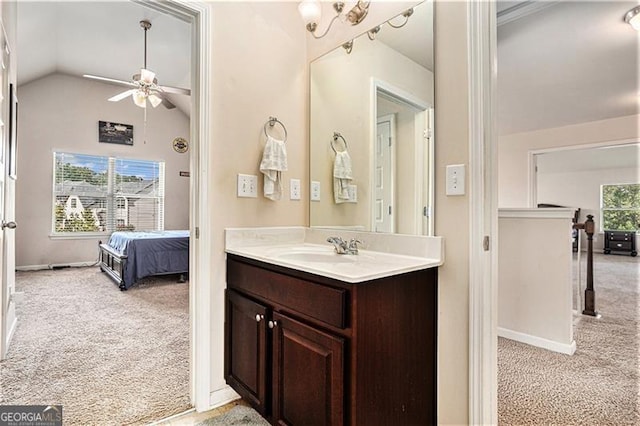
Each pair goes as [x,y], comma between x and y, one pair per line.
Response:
[259,317]
[273,324]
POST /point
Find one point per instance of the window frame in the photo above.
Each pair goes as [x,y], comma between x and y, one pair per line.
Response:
[603,209]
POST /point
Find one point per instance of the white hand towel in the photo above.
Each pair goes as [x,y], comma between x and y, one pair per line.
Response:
[274,162]
[342,176]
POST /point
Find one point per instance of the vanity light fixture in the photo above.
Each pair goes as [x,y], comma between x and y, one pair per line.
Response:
[632,18]
[311,12]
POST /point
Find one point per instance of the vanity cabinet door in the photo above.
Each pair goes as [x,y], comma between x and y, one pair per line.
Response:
[308,375]
[246,349]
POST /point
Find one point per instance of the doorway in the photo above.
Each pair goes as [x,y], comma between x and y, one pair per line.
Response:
[402,162]
[198,15]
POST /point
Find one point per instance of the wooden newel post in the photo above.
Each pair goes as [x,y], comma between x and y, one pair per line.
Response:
[589,293]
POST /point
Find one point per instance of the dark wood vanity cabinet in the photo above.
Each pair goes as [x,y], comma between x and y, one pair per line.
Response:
[307,350]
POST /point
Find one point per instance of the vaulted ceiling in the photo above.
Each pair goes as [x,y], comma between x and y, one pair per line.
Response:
[104,39]
[566,63]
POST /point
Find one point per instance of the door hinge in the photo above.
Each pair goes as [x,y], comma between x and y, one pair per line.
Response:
[485,243]
[197,233]
[389,210]
[389,140]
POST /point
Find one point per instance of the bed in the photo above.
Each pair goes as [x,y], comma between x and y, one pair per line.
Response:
[130,256]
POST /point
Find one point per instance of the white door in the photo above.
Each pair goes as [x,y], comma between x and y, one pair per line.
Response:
[383,204]
[8,318]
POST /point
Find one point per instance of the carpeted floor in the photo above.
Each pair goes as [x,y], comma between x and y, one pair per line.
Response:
[238,415]
[599,384]
[109,357]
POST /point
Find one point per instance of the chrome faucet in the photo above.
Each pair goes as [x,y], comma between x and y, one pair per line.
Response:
[342,247]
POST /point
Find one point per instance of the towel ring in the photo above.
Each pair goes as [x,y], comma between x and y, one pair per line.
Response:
[272,122]
[337,136]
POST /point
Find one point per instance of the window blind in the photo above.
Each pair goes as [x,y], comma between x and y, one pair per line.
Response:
[105,194]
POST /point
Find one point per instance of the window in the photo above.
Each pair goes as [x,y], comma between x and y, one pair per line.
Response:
[620,206]
[104,194]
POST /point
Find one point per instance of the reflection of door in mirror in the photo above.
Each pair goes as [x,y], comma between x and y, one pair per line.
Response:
[384,167]
[401,159]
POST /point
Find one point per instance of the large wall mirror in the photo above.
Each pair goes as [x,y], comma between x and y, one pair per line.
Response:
[371,129]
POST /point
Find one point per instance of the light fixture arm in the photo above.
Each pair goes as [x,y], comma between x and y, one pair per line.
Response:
[312,28]
[407,14]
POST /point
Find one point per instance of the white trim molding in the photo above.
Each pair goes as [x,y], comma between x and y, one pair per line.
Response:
[539,342]
[483,262]
[538,213]
[222,396]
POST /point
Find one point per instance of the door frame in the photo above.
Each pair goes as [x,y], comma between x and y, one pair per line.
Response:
[483,226]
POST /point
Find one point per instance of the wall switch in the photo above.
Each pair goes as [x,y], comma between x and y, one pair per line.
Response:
[315,190]
[247,186]
[455,179]
[294,189]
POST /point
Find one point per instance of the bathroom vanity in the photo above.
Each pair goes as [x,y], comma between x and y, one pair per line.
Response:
[304,348]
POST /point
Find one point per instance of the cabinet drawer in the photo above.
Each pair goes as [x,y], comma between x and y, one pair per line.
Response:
[620,245]
[317,301]
[620,236]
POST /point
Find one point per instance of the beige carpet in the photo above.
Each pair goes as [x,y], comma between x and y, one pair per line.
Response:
[599,384]
[109,357]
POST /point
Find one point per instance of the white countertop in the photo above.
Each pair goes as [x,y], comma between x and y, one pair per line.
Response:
[297,248]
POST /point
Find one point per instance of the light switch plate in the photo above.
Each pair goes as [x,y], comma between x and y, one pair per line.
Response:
[294,189]
[247,186]
[455,179]
[315,190]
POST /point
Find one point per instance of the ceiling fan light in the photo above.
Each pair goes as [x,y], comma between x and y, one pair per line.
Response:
[147,76]
[139,98]
[155,100]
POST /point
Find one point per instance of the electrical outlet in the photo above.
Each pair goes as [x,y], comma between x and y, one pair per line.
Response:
[455,179]
[247,186]
[353,193]
[294,189]
[315,190]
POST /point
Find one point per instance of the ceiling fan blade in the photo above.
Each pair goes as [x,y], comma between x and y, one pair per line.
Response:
[122,95]
[111,80]
[175,90]
[166,103]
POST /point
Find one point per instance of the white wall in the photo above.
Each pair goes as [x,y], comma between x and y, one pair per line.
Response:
[534,289]
[582,189]
[61,113]
[513,163]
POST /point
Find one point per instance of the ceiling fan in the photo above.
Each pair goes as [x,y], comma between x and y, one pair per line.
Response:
[144,85]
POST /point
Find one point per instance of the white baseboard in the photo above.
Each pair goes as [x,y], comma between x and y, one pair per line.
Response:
[222,396]
[12,330]
[54,265]
[540,342]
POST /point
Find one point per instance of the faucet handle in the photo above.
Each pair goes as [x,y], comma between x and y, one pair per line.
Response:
[354,242]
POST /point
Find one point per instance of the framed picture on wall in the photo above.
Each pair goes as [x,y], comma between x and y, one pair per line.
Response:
[109,132]
[13,131]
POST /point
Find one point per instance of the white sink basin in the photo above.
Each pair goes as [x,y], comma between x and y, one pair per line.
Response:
[316,257]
